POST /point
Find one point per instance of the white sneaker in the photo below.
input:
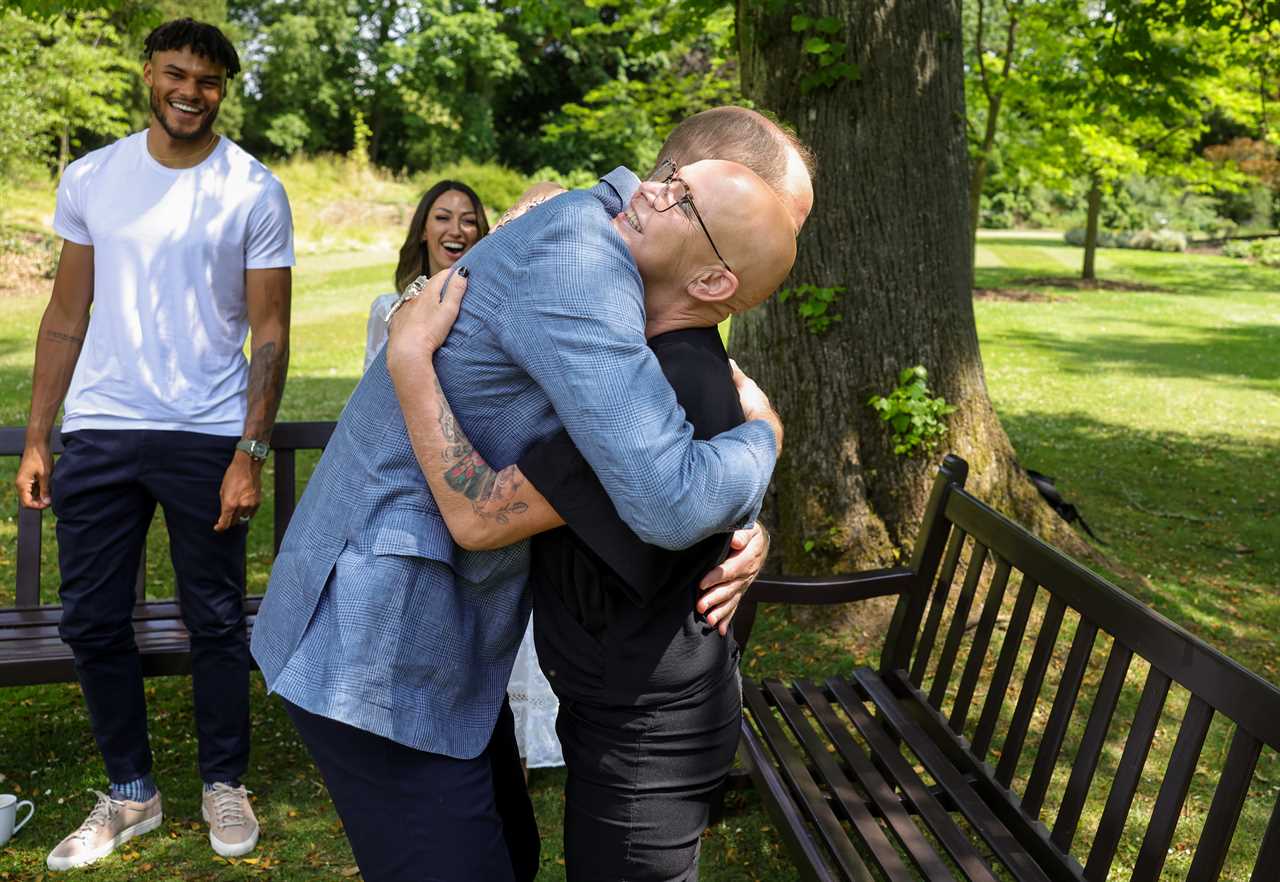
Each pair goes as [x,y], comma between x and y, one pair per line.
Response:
[233,828]
[112,822]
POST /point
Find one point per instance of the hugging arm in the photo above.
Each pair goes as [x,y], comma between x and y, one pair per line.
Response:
[487,508]
[483,507]
[578,332]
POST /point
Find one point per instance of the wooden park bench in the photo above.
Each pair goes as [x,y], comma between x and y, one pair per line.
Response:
[30,649]
[959,758]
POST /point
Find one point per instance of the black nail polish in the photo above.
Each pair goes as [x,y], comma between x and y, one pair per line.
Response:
[464,271]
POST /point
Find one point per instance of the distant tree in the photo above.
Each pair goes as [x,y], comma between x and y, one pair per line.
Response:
[20,121]
[82,80]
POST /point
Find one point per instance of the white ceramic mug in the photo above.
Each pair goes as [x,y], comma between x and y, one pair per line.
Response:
[9,806]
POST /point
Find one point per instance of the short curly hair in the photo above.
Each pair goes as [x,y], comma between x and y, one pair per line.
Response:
[202,39]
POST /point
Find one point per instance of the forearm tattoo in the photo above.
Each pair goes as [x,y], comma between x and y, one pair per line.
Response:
[491,492]
[268,367]
[64,338]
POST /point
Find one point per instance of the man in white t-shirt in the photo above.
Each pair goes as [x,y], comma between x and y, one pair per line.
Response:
[182,243]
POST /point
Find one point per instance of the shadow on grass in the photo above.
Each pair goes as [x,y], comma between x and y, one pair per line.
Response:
[1172,273]
[1239,355]
[1192,519]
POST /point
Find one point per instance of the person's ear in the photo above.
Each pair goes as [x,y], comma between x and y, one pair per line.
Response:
[146,73]
[713,285]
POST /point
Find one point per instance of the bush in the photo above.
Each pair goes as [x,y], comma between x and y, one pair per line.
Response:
[1143,240]
[1264,251]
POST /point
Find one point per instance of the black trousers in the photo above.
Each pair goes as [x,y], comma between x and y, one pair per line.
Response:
[105,488]
[642,782]
[414,816]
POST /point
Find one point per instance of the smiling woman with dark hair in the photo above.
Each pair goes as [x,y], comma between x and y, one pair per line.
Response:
[448,221]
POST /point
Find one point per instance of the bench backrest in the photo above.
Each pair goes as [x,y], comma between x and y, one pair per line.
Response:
[286,440]
[1077,710]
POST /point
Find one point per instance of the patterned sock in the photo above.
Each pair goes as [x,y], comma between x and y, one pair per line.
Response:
[208,785]
[139,790]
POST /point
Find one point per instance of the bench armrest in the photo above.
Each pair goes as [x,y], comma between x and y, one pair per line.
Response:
[817,591]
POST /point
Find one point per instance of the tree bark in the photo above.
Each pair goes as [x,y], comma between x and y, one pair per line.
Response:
[890,224]
[1091,230]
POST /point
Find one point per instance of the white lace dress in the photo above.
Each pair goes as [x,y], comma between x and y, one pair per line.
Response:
[533,703]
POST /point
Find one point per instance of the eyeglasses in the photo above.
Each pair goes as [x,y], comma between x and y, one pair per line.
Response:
[678,192]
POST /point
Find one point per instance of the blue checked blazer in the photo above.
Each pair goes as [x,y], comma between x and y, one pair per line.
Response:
[373,617]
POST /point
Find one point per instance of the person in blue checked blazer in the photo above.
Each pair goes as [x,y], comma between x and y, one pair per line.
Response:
[390,646]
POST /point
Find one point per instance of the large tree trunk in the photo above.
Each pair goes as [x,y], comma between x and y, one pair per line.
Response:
[890,224]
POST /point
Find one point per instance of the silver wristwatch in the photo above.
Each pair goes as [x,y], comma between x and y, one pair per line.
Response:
[257,450]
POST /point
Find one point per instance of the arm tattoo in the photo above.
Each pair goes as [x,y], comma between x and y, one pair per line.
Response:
[64,338]
[267,369]
[467,473]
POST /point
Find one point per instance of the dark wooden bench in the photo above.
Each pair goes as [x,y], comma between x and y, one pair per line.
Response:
[1020,705]
[30,649]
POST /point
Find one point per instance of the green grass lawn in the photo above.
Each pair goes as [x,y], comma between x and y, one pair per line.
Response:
[1156,410]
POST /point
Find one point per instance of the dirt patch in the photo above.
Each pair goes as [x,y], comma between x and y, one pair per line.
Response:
[1076,284]
[27,263]
[348,212]
[1017,295]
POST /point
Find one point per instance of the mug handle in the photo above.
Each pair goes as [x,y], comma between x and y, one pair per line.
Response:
[31,810]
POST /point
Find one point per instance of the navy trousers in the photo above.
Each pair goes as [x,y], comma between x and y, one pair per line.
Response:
[414,816]
[105,488]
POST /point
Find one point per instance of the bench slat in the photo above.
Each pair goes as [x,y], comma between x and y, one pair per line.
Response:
[1055,729]
[798,779]
[286,467]
[1173,791]
[979,815]
[978,649]
[1032,683]
[886,752]
[1233,690]
[855,808]
[28,562]
[1224,812]
[942,588]
[1004,666]
[1268,863]
[780,805]
[1091,744]
[959,621]
[922,854]
[1127,775]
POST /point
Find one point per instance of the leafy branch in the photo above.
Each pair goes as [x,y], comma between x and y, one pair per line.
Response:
[913,415]
[827,50]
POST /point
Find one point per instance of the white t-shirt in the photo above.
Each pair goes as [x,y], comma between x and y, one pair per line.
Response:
[165,346]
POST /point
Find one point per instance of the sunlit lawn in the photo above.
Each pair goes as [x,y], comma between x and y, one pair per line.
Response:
[1157,412]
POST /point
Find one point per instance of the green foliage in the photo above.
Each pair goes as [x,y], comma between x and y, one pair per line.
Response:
[64,77]
[1264,251]
[913,415]
[20,124]
[827,51]
[1140,240]
[814,304]
[672,60]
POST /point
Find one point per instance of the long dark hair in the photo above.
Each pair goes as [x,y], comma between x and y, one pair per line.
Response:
[413,253]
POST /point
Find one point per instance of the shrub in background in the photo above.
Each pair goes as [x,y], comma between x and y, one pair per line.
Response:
[1264,251]
[1144,240]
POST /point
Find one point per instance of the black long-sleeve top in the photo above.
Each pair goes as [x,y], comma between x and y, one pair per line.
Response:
[614,619]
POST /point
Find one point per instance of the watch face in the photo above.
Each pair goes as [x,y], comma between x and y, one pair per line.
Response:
[255,449]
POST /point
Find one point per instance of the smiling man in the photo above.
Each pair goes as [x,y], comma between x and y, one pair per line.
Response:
[182,243]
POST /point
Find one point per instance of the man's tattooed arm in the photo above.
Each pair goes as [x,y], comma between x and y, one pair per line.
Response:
[268,367]
[64,338]
[492,493]
[268,293]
